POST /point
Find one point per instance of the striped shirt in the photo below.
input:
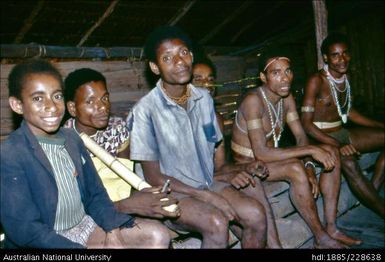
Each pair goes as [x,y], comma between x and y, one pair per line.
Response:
[70,209]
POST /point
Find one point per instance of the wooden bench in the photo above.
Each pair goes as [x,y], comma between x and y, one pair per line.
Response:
[292,229]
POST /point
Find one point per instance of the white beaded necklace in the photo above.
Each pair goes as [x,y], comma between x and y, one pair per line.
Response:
[278,117]
[333,88]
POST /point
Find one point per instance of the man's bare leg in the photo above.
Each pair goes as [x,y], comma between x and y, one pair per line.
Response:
[97,238]
[330,183]
[258,192]
[292,171]
[365,140]
[252,217]
[361,187]
[204,218]
[146,233]
[378,176]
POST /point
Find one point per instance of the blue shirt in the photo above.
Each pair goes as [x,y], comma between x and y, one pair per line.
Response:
[183,141]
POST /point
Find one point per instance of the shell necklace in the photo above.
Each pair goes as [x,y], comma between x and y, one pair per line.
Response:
[179,100]
[334,89]
[278,114]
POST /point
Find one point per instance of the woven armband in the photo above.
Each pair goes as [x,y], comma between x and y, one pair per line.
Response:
[254,124]
[309,109]
[291,116]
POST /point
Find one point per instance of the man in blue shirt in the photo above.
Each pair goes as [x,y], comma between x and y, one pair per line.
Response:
[174,133]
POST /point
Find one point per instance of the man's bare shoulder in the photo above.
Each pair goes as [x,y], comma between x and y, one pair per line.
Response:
[251,98]
[315,81]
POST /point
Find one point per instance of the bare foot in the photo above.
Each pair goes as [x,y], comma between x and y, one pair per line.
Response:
[327,242]
[347,240]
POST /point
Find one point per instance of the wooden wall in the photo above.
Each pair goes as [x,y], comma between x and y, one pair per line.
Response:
[366,36]
[126,81]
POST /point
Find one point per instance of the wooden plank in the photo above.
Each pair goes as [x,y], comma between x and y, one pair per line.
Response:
[125,81]
[32,50]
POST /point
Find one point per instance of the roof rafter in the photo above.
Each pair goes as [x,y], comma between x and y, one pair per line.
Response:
[106,14]
[226,21]
[254,21]
[29,22]
[181,12]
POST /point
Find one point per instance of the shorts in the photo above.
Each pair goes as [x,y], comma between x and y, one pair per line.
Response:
[341,136]
[81,232]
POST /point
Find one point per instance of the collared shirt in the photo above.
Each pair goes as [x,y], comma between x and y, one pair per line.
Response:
[183,141]
[70,209]
[113,139]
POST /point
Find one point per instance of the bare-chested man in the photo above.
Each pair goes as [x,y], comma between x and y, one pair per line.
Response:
[257,130]
[327,105]
[204,74]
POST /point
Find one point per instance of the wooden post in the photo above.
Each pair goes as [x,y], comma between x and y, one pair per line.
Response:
[321,26]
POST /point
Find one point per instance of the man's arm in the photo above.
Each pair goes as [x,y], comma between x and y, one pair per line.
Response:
[312,89]
[220,151]
[241,175]
[253,110]
[362,120]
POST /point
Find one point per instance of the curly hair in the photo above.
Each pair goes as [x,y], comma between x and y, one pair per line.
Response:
[19,74]
[162,34]
[332,39]
[79,77]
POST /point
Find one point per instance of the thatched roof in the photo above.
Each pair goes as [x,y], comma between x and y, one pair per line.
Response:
[228,27]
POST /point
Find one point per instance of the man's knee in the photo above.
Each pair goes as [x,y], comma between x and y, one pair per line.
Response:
[296,172]
[216,223]
[350,166]
[253,215]
[154,234]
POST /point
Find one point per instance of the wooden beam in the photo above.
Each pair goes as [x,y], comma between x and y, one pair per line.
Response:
[181,12]
[321,27]
[226,21]
[106,14]
[255,20]
[27,51]
[29,22]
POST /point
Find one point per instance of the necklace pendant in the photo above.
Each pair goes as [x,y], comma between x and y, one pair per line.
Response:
[344,118]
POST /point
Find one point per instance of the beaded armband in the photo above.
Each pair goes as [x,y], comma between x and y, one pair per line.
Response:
[307,109]
[254,124]
[291,116]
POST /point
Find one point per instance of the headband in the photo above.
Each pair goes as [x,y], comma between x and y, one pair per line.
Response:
[275,59]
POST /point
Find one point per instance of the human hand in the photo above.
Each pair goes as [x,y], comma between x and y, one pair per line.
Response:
[326,158]
[257,168]
[242,179]
[150,202]
[348,150]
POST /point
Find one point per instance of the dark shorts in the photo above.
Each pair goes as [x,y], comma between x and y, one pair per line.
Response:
[341,136]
